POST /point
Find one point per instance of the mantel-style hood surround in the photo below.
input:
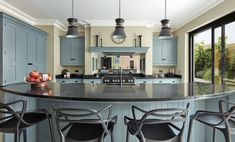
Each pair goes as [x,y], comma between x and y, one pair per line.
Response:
[117,51]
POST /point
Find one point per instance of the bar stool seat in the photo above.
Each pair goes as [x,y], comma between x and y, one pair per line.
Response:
[90,132]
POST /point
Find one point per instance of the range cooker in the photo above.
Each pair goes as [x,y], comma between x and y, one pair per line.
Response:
[115,79]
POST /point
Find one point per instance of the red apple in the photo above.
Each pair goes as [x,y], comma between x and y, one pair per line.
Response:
[30,79]
[50,78]
[38,80]
[34,74]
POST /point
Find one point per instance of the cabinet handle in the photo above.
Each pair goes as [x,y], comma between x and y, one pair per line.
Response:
[160,81]
[72,59]
[173,81]
[63,81]
[163,59]
[30,64]
[76,81]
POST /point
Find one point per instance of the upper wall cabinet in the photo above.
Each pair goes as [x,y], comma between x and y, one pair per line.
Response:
[72,51]
[164,52]
[22,49]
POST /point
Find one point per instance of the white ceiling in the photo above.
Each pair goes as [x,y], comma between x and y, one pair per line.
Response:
[103,12]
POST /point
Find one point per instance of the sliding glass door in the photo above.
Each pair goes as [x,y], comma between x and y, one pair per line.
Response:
[212,52]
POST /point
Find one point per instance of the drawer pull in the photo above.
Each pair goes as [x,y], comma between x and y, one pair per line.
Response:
[63,81]
[30,64]
[76,81]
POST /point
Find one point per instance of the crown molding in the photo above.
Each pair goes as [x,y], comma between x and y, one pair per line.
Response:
[53,22]
[11,10]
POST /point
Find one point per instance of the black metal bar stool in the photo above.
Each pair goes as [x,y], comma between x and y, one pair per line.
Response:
[223,121]
[158,125]
[12,121]
[84,125]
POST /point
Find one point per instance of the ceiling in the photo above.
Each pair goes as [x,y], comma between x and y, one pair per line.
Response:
[103,12]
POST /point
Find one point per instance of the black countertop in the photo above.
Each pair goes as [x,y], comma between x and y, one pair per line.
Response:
[125,93]
[137,76]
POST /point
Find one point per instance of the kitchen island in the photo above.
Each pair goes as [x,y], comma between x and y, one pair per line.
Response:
[146,96]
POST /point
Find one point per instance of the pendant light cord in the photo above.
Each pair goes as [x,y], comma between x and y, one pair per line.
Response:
[165,9]
[72,8]
[119,8]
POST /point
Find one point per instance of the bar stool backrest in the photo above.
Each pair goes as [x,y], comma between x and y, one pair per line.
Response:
[8,112]
[66,117]
[172,116]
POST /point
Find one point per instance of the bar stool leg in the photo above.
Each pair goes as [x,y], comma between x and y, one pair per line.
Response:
[17,136]
[227,136]
[190,129]
[112,140]
[214,133]
[25,135]
[127,135]
[51,129]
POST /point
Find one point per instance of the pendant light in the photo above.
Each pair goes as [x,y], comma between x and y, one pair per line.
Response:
[166,30]
[119,32]
[73,26]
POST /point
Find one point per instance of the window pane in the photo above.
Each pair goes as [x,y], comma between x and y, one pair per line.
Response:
[202,57]
[218,56]
[230,53]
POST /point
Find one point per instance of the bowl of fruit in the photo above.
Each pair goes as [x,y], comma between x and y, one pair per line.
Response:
[38,79]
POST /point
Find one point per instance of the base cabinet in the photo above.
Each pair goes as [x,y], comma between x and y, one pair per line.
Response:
[167,80]
[69,80]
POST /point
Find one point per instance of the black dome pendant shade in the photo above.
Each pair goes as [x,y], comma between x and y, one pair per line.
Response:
[119,32]
[166,30]
[72,26]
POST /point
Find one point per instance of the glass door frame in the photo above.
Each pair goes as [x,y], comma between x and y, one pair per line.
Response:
[221,22]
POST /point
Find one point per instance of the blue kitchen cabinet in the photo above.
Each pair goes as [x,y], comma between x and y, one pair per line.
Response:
[9,48]
[41,50]
[164,52]
[22,49]
[72,51]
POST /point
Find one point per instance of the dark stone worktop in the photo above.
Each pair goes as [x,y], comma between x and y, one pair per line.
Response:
[125,93]
[137,76]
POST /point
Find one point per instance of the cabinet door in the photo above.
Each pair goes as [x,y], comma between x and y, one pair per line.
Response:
[65,52]
[157,57]
[23,53]
[10,49]
[41,57]
[81,52]
[74,52]
[169,52]
[32,52]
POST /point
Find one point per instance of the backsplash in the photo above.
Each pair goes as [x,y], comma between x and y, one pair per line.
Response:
[73,69]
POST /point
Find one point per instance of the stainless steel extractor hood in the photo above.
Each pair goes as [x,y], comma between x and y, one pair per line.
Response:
[119,51]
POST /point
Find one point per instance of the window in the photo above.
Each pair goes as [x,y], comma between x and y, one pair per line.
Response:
[212,52]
